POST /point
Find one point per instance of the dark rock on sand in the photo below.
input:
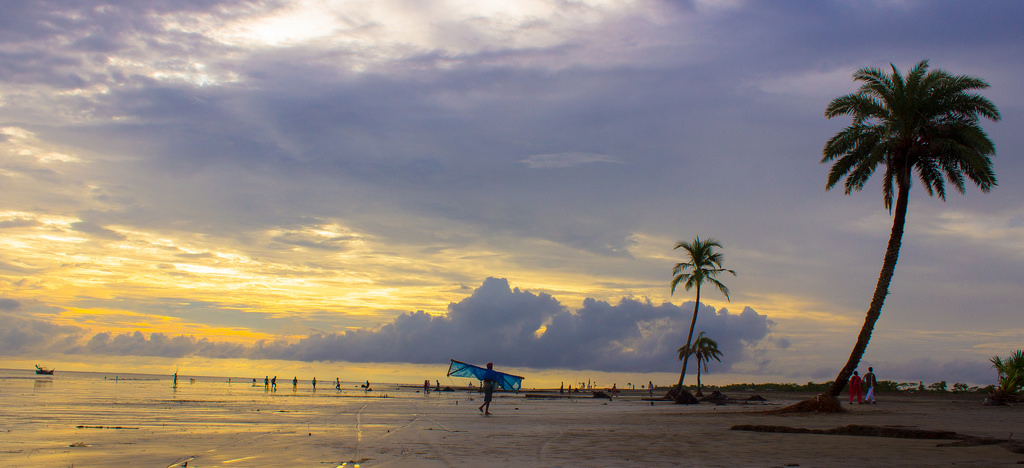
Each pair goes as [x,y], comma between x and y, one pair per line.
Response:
[717,397]
[681,397]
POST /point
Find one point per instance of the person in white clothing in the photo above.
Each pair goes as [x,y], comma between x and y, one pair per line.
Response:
[870,382]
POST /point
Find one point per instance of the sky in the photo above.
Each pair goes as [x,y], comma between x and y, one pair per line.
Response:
[371,188]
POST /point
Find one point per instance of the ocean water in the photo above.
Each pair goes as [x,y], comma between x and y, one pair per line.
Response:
[93,419]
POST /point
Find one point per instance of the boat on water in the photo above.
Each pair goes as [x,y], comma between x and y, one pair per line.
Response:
[43,370]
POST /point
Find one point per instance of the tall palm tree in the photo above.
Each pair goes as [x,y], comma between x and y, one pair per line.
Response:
[703,349]
[925,123]
[704,265]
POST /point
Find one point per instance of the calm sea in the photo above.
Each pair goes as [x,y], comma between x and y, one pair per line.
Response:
[93,419]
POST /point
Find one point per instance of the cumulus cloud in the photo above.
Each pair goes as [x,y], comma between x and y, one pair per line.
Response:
[25,335]
[495,323]
[157,344]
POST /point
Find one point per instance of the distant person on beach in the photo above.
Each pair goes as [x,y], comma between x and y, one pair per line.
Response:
[426,387]
[266,382]
[650,389]
[870,382]
[855,390]
[314,384]
[488,391]
[273,383]
[175,378]
[438,388]
[295,383]
[337,383]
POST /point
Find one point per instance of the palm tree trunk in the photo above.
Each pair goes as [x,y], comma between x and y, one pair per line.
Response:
[892,253]
[689,338]
[699,393]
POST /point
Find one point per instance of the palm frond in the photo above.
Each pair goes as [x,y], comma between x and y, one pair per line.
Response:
[923,123]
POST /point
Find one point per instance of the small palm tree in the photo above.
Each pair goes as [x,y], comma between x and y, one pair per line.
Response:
[704,265]
[925,123]
[703,349]
[1010,376]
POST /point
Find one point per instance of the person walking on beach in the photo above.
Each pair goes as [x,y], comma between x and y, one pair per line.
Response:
[314,384]
[337,383]
[273,383]
[266,381]
[295,383]
[855,389]
[488,382]
[870,382]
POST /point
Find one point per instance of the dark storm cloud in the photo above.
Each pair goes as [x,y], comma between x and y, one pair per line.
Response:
[496,323]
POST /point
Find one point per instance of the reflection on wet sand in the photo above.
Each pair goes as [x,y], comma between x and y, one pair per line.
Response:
[85,420]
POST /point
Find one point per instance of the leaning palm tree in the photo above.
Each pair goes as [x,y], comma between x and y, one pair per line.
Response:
[925,123]
[704,265]
[703,349]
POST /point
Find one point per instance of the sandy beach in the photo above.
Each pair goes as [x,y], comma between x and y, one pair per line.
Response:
[96,421]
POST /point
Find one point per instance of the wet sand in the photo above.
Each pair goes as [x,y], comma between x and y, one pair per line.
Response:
[143,423]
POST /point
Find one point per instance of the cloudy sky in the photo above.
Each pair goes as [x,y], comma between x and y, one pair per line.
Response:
[258,185]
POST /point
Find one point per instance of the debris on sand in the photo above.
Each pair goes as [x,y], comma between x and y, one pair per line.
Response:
[961,440]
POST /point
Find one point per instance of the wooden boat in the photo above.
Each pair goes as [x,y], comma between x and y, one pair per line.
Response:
[43,370]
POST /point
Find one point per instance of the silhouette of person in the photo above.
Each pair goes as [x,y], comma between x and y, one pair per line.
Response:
[488,382]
